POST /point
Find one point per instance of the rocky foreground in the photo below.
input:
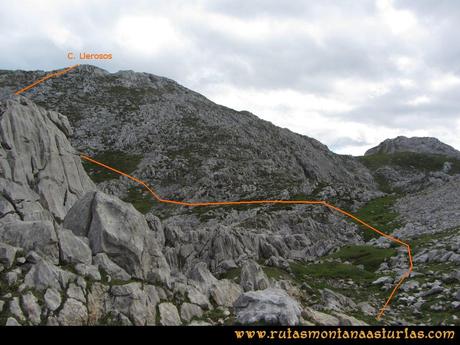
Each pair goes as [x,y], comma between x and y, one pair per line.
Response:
[72,252]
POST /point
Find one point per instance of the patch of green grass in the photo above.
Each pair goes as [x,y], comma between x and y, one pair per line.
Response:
[379,214]
[411,160]
[370,257]
[330,270]
[233,274]
[140,199]
[276,273]
[383,184]
[424,240]
[125,162]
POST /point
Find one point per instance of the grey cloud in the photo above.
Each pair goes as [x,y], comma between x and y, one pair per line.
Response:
[293,61]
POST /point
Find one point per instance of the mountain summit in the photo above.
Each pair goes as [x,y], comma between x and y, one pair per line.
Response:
[425,145]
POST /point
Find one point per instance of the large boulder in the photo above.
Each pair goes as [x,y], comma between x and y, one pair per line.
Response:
[119,230]
[36,153]
[270,306]
[38,236]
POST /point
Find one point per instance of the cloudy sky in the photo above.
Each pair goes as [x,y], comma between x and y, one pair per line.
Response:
[349,73]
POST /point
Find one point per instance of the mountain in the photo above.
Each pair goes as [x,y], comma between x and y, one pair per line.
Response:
[423,145]
[185,145]
[81,245]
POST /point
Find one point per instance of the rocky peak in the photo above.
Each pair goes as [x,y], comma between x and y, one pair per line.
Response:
[426,145]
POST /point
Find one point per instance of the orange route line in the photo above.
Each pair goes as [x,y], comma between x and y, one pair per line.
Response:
[46,77]
[253,202]
[243,202]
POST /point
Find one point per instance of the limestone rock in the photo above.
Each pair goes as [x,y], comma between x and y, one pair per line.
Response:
[52,299]
[253,277]
[45,160]
[195,296]
[102,261]
[319,318]
[38,236]
[225,292]
[73,249]
[88,271]
[75,292]
[7,254]
[73,313]
[169,315]
[336,301]
[117,229]
[137,303]
[44,275]
[188,311]
[269,306]
[202,275]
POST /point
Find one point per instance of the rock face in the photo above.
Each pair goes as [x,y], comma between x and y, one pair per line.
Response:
[120,231]
[35,153]
[431,210]
[269,306]
[416,144]
[253,277]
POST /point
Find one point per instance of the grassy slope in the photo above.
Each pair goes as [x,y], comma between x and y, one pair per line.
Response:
[411,160]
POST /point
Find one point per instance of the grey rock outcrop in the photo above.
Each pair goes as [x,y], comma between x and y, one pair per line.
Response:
[117,229]
[188,311]
[169,315]
[269,306]
[38,236]
[253,277]
[35,152]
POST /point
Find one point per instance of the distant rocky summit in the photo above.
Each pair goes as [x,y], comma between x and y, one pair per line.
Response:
[425,145]
[80,245]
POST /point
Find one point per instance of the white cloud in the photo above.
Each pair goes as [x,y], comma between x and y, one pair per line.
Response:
[349,74]
[148,35]
[398,21]
[419,100]
[444,82]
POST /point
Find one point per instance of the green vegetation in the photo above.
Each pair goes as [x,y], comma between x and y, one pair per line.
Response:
[368,256]
[411,160]
[276,273]
[379,213]
[424,240]
[125,162]
[232,274]
[140,199]
[332,270]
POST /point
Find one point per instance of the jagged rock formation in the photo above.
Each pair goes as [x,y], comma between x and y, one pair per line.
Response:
[36,157]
